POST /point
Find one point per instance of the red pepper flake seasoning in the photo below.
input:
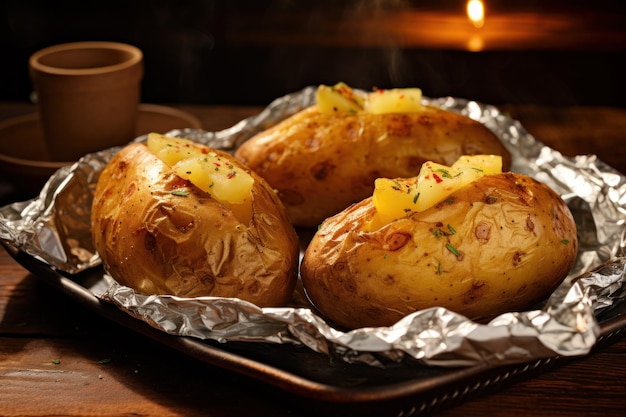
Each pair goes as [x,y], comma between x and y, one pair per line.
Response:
[437,178]
[231,175]
[347,92]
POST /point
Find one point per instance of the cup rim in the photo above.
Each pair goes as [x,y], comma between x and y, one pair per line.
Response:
[136,57]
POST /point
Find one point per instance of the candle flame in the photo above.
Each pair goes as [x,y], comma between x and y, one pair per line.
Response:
[476,13]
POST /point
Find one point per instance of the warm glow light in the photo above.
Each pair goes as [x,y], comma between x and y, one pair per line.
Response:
[476,12]
[475,43]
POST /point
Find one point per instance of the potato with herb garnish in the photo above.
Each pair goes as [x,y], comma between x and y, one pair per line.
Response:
[174,217]
[466,237]
[327,156]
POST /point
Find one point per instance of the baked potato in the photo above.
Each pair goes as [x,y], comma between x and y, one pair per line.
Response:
[327,156]
[482,243]
[175,217]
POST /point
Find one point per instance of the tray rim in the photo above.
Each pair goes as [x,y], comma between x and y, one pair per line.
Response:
[454,384]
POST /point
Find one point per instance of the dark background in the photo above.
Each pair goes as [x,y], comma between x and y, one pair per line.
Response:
[193,54]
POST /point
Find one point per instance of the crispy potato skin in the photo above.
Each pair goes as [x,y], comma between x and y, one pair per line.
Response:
[499,244]
[160,243]
[320,163]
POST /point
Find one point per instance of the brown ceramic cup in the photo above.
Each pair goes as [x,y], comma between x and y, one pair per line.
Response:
[88,96]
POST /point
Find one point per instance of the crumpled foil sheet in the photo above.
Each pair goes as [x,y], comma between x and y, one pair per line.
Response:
[54,228]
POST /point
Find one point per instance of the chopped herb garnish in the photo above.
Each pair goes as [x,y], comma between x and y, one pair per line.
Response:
[56,361]
[416,197]
[444,173]
[565,241]
[104,361]
[451,229]
[439,269]
[180,193]
[452,249]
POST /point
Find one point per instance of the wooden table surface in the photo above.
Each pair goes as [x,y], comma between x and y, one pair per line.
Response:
[57,358]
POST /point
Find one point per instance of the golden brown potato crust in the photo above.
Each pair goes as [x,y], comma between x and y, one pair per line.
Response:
[159,242]
[320,163]
[499,244]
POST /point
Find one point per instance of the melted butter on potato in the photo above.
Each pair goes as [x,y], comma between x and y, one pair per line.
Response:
[342,98]
[398,198]
[397,100]
[338,98]
[171,150]
[206,170]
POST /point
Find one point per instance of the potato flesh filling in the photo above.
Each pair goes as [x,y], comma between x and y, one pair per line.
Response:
[208,171]
[400,197]
[340,98]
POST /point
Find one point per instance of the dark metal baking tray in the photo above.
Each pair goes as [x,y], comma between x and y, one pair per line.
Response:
[312,380]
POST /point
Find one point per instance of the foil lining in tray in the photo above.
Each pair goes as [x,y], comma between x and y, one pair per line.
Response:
[54,228]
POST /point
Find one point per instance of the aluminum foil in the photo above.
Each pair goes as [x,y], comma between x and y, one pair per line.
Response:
[54,228]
